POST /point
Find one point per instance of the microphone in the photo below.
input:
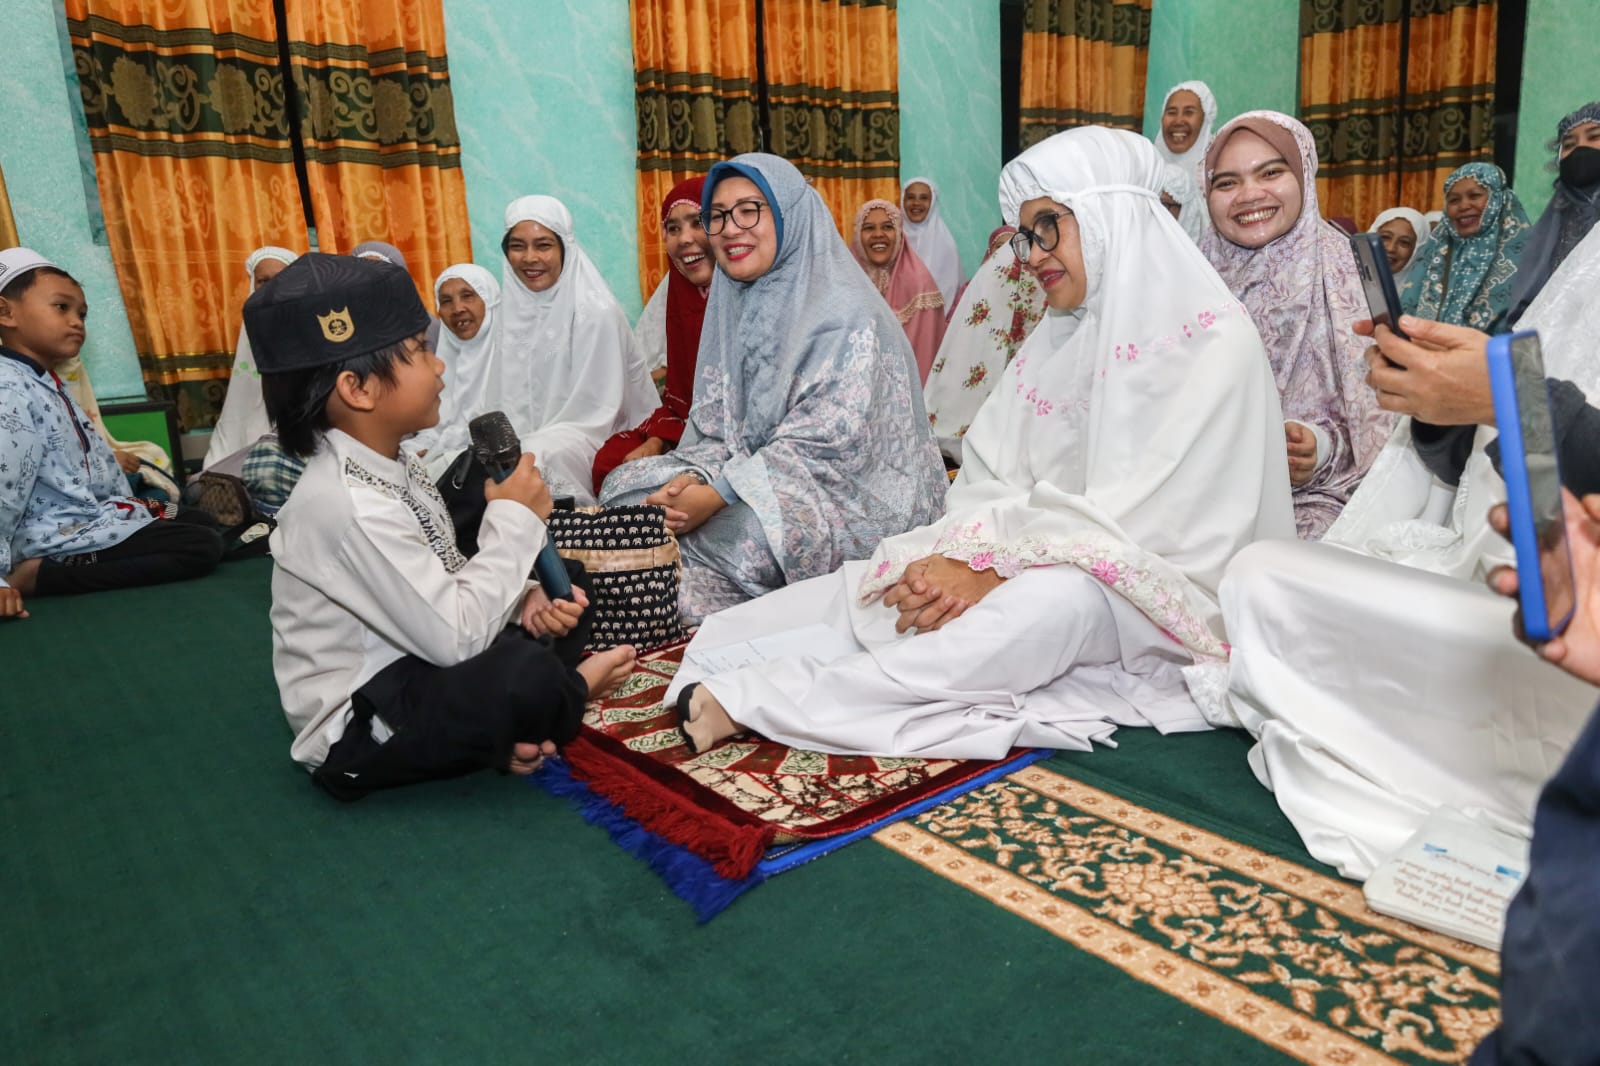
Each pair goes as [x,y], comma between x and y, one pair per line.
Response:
[495,444]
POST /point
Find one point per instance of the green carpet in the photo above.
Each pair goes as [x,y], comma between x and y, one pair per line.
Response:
[175,891]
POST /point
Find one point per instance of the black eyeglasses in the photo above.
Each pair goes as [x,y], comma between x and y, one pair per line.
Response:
[746,214]
[1045,233]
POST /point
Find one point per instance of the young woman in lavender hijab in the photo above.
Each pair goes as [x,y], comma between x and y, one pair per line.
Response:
[807,442]
[926,232]
[1297,276]
[1574,205]
[1135,447]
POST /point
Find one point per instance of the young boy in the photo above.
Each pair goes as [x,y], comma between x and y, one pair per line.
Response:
[67,523]
[391,651]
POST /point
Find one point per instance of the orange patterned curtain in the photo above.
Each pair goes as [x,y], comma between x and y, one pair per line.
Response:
[187,121]
[1083,63]
[383,158]
[1397,93]
[694,70]
[833,77]
[1449,105]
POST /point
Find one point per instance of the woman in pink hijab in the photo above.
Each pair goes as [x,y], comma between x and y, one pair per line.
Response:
[906,283]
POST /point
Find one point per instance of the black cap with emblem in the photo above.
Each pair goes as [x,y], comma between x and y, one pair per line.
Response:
[324,309]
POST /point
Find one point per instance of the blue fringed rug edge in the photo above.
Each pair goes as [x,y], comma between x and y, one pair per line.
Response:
[695,880]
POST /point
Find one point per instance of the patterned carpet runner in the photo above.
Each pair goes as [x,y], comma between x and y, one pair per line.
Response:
[715,824]
[1285,954]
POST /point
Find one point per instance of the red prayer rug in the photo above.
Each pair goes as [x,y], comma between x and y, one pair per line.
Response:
[748,808]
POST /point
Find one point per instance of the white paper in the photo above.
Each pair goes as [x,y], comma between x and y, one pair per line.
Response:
[1453,876]
[816,641]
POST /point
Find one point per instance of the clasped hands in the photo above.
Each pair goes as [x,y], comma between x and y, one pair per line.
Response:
[689,501]
[934,591]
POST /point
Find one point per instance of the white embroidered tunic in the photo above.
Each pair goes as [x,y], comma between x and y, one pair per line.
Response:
[367,571]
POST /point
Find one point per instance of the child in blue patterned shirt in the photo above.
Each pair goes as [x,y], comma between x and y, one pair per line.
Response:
[66,522]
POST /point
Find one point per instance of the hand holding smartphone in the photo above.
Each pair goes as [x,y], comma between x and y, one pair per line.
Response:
[1533,484]
[1377,281]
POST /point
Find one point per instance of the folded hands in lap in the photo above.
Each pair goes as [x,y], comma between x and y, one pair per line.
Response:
[935,591]
[689,502]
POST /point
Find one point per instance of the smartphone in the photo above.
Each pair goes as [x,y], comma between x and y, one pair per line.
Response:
[1383,298]
[1533,484]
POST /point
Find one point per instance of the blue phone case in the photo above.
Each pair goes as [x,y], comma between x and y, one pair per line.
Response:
[1519,496]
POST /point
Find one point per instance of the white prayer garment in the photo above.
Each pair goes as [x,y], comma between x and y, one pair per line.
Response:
[470,369]
[1379,676]
[651,329]
[366,571]
[934,244]
[1135,446]
[243,419]
[1192,159]
[571,372]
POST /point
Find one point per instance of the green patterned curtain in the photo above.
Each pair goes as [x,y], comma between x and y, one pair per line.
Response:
[1083,62]
[694,99]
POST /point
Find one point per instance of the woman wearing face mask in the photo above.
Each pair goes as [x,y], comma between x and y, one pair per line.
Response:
[688,284]
[1135,448]
[1573,206]
[1297,276]
[899,275]
[1465,273]
[807,442]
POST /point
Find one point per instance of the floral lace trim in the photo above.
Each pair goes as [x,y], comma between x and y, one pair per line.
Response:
[1107,560]
[923,301]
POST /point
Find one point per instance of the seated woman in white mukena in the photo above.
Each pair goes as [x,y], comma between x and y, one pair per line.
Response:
[1134,447]
[1376,672]
[571,373]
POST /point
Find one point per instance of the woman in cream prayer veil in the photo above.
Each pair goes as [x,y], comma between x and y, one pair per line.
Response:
[1379,676]
[1134,448]
[571,373]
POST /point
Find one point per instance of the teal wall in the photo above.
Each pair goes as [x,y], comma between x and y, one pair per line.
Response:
[1247,51]
[544,103]
[39,157]
[1558,77]
[950,111]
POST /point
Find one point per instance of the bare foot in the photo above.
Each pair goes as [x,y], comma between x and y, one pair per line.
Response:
[25,576]
[709,723]
[529,758]
[606,670]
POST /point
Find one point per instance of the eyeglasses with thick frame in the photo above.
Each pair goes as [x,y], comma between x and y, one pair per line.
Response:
[1046,233]
[746,214]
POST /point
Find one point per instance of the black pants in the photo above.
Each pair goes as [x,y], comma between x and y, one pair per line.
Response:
[161,551]
[447,721]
